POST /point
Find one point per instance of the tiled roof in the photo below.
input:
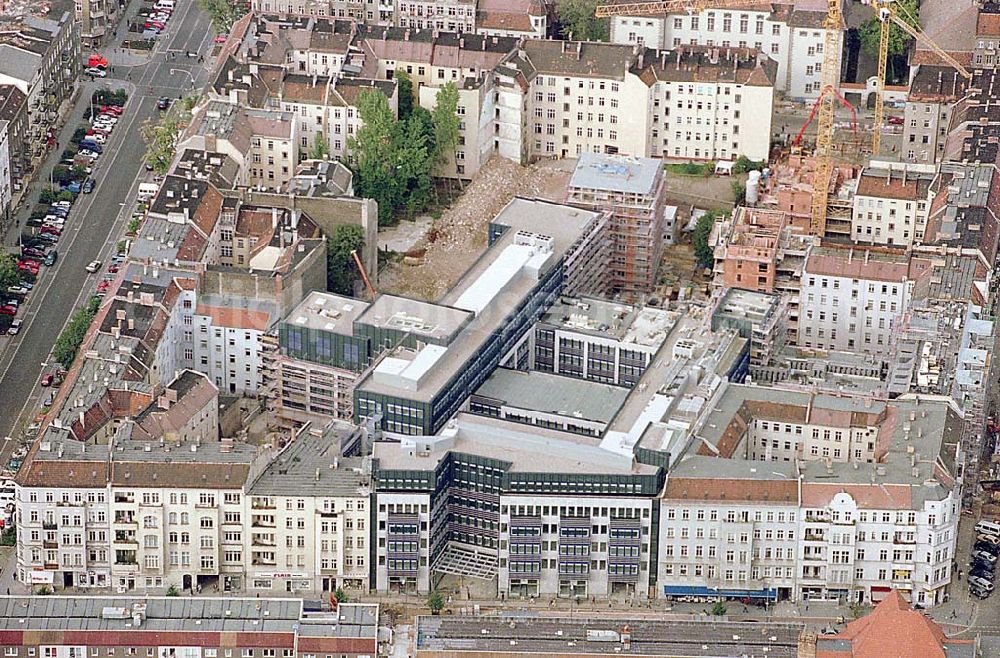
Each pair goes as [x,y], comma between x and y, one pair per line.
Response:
[874,184]
[892,630]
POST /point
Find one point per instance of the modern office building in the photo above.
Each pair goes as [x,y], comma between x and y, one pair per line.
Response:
[533,512]
[438,354]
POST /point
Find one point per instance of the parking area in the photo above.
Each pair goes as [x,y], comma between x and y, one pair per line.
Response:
[981,604]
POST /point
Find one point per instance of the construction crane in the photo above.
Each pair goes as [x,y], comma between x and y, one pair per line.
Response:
[833,26]
[888,13]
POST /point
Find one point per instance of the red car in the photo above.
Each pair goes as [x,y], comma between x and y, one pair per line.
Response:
[51,230]
[97,131]
[28,263]
[220,39]
[895,121]
[7,309]
[111,109]
[47,379]
[113,268]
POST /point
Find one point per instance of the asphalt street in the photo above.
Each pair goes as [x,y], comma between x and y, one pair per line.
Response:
[97,220]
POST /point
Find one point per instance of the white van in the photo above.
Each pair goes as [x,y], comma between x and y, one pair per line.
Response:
[147,191]
[989,528]
[165,4]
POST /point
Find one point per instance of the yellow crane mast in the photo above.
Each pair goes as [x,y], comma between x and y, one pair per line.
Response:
[833,25]
[888,13]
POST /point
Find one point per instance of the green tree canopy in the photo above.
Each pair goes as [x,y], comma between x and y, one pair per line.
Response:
[9,276]
[435,603]
[161,141]
[341,271]
[320,149]
[702,231]
[223,13]
[393,159]
[404,91]
[72,336]
[577,20]
[899,41]
[445,120]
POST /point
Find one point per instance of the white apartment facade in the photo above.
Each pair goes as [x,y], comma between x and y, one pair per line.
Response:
[63,535]
[794,39]
[852,299]
[450,15]
[837,542]
[229,355]
[314,543]
[892,207]
[693,104]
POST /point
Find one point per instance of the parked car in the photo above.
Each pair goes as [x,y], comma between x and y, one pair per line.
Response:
[895,121]
[8,309]
[111,109]
[88,154]
[15,327]
[91,146]
[220,39]
[51,257]
[88,186]
[113,268]
[33,252]
[981,583]
[986,546]
[97,72]
[47,379]
[989,539]
[18,290]
[51,230]
[979,593]
[984,556]
[63,204]
[982,572]
[93,266]
[97,60]
[50,238]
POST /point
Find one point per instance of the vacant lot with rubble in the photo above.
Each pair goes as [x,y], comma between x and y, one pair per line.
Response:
[458,237]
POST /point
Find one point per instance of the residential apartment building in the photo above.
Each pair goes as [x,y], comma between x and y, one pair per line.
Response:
[472,501]
[813,530]
[934,91]
[633,190]
[450,15]
[987,35]
[789,33]
[309,519]
[561,99]
[165,626]
[892,204]
[513,18]
[40,57]
[97,18]
[852,298]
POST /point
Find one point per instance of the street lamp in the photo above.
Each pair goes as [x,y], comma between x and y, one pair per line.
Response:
[185,72]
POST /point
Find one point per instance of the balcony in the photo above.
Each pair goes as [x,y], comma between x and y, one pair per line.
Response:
[48,525]
[50,544]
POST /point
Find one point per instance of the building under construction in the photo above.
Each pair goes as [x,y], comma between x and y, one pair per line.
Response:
[633,190]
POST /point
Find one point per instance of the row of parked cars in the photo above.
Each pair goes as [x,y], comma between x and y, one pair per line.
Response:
[48,222]
[983,561]
[36,251]
[155,21]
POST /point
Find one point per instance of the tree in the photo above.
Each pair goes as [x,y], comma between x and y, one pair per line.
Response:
[340,596]
[899,41]
[341,270]
[415,154]
[9,276]
[703,229]
[739,192]
[576,20]
[9,536]
[719,609]
[404,90]
[161,141]
[223,13]
[173,591]
[445,120]
[373,152]
[320,149]
[435,603]
[69,341]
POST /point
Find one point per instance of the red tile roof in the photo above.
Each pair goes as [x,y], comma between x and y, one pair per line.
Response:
[892,630]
